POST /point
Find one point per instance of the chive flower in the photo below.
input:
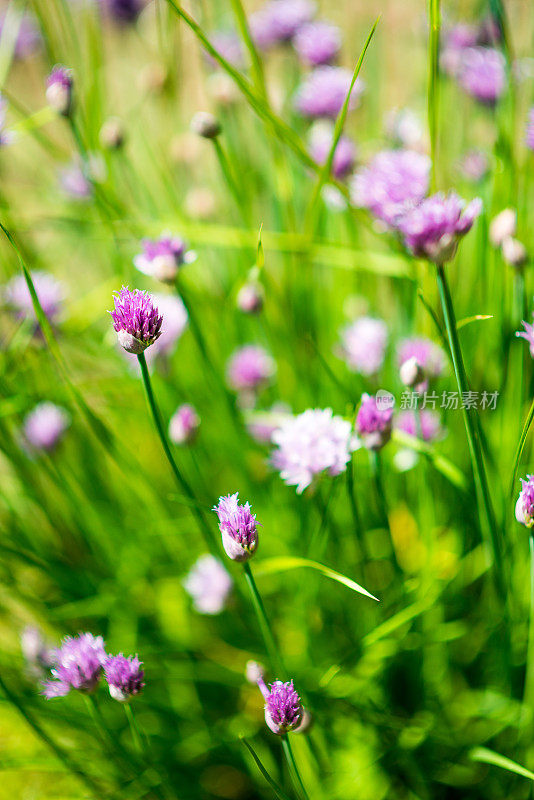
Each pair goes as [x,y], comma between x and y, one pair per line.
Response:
[317,43]
[524,508]
[238,527]
[373,422]
[321,138]
[136,320]
[208,584]
[277,21]
[184,424]
[283,706]
[162,258]
[363,345]
[124,677]
[44,427]
[50,292]
[482,74]
[59,85]
[77,665]
[250,368]
[323,92]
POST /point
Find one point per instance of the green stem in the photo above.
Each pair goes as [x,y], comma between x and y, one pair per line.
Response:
[134,728]
[358,530]
[229,178]
[292,764]
[181,481]
[259,608]
[528,692]
[433,85]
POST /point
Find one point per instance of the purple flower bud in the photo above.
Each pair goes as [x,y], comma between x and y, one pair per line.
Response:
[321,138]
[124,677]
[502,226]
[524,508]
[162,258]
[363,345]
[136,320]
[433,228]
[324,90]
[184,424]
[424,423]
[250,368]
[50,292]
[373,421]
[238,527]
[529,135]
[45,426]
[111,134]
[317,43]
[527,334]
[393,182]
[74,181]
[283,706]
[209,584]
[77,665]
[277,21]
[59,90]
[482,73]
[428,355]
[250,297]
[456,40]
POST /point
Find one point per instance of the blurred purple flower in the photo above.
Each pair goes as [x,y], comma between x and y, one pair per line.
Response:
[373,422]
[283,706]
[77,665]
[28,37]
[6,137]
[433,228]
[50,292]
[73,181]
[124,677]
[424,423]
[391,184]
[482,73]
[528,335]
[44,426]
[524,508]
[529,137]
[474,165]
[136,320]
[321,138]
[38,655]
[456,40]
[323,92]
[317,43]
[209,584]
[59,89]
[162,258]
[278,21]
[229,46]
[363,345]
[238,526]
[427,353]
[250,367]
[250,297]
[184,424]
[309,444]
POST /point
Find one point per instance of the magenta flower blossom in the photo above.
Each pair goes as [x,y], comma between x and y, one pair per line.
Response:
[317,43]
[124,677]
[528,335]
[238,526]
[208,584]
[324,90]
[433,229]
[482,73]
[425,424]
[50,292]
[363,345]
[184,424]
[429,356]
[524,508]
[162,258]
[391,184]
[474,165]
[277,21]
[374,419]
[283,706]
[136,320]
[321,138]
[77,665]
[529,137]
[250,368]
[44,426]
[229,45]
[309,444]
[59,90]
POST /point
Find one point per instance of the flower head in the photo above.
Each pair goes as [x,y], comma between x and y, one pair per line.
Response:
[238,526]
[524,508]
[44,426]
[250,297]
[373,421]
[324,90]
[528,334]
[391,184]
[249,368]
[309,444]
[209,584]
[428,355]
[474,165]
[277,21]
[425,424]
[59,90]
[529,135]
[482,73]
[321,139]
[50,292]
[456,40]
[283,706]
[229,45]
[162,258]
[37,654]
[136,320]
[317,43]
[363,345]
[77,665]
[74,181]
[503,226]
[433,228]
[184,424]
[124,677]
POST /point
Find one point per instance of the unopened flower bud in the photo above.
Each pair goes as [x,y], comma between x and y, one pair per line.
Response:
[112,134]
[238,528]
[206,125]
[411,372]
[250,298]
[184,425]
[502,226]
[514,252]
[59,90]
[524,508]
[283,706]
[254,671]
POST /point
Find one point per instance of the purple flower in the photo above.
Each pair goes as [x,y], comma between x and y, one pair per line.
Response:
[250,297]
[238,526]
[393,182]
[161,258]
[428,355]
[250,367]
[278,21]
[124,677]
[59,90]
[36,652]
[457,39]
[529,137]
[321,138]
[317,43]
[309,444]
[482,73]
[524,508]
[45,426]
[425,424]
[283,706]
[184,424]
[324,90]
[209,584]
[229,46]
[503,226]
[433,228]
[528,334]
[374,418]
[77,665]
[74,181]
[474,165]
[28,36]
[123,11]
[363,345]
[136,320]
[50,292]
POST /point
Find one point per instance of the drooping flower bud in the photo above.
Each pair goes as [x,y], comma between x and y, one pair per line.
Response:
[238,527]
[136,320]
[59,86]
[124,677]
[524,508]
[411,372]
[206,125]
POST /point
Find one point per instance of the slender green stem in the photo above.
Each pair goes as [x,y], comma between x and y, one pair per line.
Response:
[259,608]
[180,479]
[292,764]
[358,530]
[433,83]
[134,728]
[376,470]
[230,180]
[528,692]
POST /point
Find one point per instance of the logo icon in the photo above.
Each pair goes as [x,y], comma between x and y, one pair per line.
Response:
[384,400]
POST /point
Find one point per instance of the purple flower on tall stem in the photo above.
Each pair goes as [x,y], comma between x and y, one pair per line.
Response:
[324,90]
[363,345]
[250,368]
[184,424]
[162,258]
[524,508]
[136,320]
[317,43]
[50,292]
[59,90]
[373,421]
[482,73]
[77,665]
[238,526]
[321,138]
[283,706]
[44,426]
[209,584]
[529,135]
[391,184]
[433,229]
[124,677]
[277,21]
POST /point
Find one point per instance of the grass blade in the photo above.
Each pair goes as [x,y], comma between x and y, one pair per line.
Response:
[442,464]
[272,783]
[521,445]
[281,564]
[486,756]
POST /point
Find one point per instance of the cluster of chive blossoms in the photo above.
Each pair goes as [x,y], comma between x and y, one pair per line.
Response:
[136,320]
[238,527]
[363,345]
[162,258]
[524,508]
[309,444]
